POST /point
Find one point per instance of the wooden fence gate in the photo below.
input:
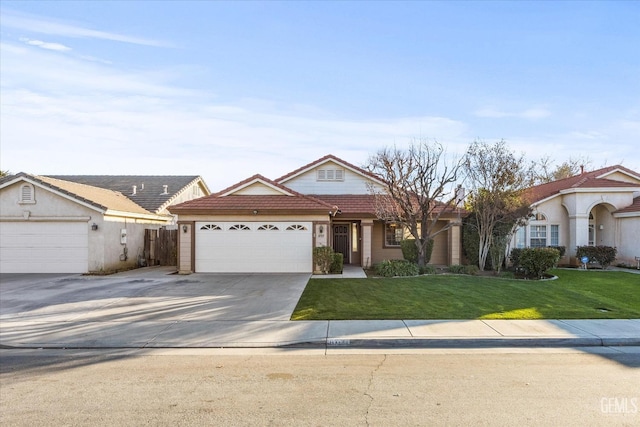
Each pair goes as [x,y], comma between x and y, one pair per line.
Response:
[161,247]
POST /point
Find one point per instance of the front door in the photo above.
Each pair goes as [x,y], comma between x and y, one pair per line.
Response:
[341,240]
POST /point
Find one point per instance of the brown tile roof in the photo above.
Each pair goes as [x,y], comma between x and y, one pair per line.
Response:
[98,197]
[149,188]
[364,204]
[350,204]
[321,160]
[586,180]
[632,208]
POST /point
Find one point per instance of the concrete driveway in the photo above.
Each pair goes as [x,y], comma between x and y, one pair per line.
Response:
[151,308]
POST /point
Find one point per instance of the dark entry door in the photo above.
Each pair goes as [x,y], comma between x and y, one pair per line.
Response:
[341,240]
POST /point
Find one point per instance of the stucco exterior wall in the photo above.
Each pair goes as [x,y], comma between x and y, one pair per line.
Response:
[439,256]
[629,240]
[104,245]
[111,247]
[47,204]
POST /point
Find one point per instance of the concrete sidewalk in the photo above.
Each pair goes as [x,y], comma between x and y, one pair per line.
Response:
[151,308]
[339,333]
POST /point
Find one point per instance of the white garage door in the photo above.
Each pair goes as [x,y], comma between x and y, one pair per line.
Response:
[253,247]
[43,247]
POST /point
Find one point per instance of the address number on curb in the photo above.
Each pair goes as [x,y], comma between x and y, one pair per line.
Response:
[338,342]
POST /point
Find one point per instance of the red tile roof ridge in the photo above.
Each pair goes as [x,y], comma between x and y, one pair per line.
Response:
[548,189]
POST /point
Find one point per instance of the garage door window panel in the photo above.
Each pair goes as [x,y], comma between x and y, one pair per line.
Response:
[268,227]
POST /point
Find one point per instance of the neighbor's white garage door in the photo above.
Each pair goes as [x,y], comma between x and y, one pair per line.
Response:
[253,247]
[43,247]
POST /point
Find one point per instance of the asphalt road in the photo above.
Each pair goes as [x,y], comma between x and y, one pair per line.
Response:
[190,387]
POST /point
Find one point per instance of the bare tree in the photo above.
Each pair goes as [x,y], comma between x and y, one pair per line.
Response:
[419,190]
[497,180]
[545,172]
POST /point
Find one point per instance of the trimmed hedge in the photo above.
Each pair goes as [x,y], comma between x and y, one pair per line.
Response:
[537,261]
[396,267]
[514,256]
[410,252]
[471,270]
[603,255]
[337,263]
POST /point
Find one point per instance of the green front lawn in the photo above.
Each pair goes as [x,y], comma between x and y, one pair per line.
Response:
[574,295]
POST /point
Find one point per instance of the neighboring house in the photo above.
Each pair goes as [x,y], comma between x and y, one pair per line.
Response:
[51,225]
[153,192]
[595,208]
[260,225]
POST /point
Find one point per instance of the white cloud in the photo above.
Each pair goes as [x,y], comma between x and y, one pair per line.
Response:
[46,45]
[61,115]
[42,25]
[534,113]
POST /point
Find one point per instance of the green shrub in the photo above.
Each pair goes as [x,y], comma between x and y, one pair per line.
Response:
[337,263]
[537,261]
[427,269]
[410,251]
[396,267]
[323,258]
[456,269]
[603,255]
[471,270]
[515,257]
[561,249]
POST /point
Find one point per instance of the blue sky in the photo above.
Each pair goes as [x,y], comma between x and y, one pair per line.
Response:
[229,89]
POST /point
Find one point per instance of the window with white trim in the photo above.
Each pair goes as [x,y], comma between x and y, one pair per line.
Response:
[521,238]
[554,235]
[27,194]
[538,235]
[393,234]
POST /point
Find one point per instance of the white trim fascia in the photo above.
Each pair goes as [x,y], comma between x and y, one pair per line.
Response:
[626,214]
[122,214]
[546,199]
[45,218]
[600,190]
[604,175]
[52,190]
[257,180]
[196,181]
[316,165]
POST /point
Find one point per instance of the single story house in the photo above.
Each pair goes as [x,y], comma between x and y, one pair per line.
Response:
[595,208]
[54,225]
[264,225]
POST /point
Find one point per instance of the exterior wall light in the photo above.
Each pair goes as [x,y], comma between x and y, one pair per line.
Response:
[185,228]
[94,226]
